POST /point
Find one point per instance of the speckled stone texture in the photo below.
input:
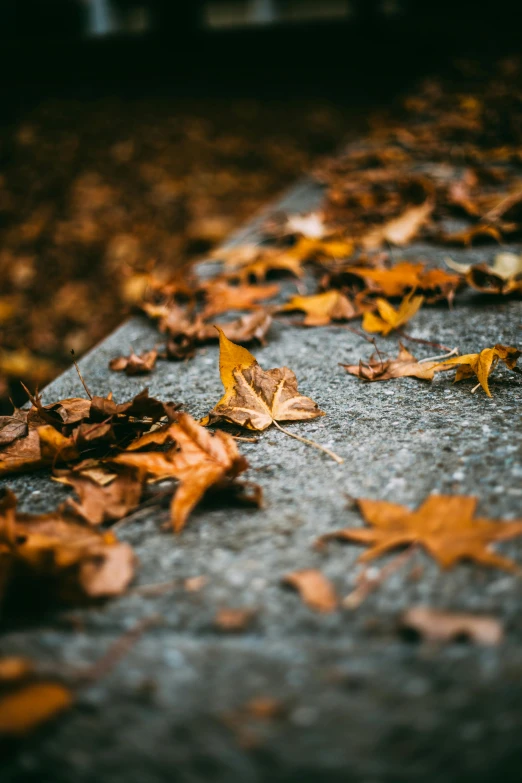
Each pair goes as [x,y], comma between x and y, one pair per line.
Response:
[358,701]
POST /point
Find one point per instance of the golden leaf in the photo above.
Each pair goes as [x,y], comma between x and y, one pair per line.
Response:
[389,318]
[444,525]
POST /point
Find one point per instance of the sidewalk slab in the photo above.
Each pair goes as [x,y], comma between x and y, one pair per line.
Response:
[358,702]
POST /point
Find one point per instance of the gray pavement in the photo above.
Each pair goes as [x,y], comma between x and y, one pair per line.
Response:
[358,701]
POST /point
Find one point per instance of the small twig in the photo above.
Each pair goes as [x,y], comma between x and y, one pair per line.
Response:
[439,346]
[80,376]
[453,352]
[476,388]
[245,440]
[330,453]
[116,651]
[367,586]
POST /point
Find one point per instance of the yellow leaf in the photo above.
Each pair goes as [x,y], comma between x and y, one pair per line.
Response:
[389,318]
[255,398]
[483,363]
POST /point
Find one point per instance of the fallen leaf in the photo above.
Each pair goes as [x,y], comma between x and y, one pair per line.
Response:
[389,318]
[29,705]
[396,281]
[256,398]
[246,329]
[467,236]
[12,427]
[220,297]
[193,584]
[503,277]
[308,249]
[72,559]
[482,364]
[269,260]
[400,230]
[444,525]
[135,364]
[435,625]
[379,369]
[200,460]
[315,589]
[104,503]
[309,225]
[234,619]
[322,309]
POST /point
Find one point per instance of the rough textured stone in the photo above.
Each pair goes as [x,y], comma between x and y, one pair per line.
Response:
[358,702]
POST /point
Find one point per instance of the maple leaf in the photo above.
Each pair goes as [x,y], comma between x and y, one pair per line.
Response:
[504,277]
[400,230]
[379,369]
[220,297]
[200,460]
[482,364]
[444,525]
[389,318]
[135,364]
[322,308]
[255,398]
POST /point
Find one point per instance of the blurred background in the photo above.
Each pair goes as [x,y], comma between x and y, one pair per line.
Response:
[135,135]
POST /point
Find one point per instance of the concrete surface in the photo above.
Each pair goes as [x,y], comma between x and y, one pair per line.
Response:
[358,702]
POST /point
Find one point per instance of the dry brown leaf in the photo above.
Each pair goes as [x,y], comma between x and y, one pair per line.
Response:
[13,427]
[220,297]
[482,364]
[444,525]
[250,327]
[400,230]
[99,503]
[200,460]
[405,365]
[435,625]
[256,398]
[193,584]
[269,260]
[314,588]
[389,318]
[504,277]
[72,559]
[322,309]
[234,620]
[135,364]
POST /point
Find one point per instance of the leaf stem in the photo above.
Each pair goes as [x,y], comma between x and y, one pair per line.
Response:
[453,352]
[330,453]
